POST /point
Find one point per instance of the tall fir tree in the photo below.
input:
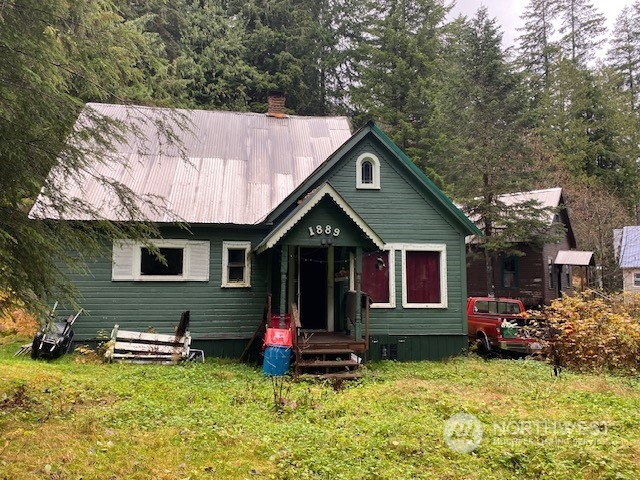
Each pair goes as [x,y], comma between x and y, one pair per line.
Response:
[537,49]
[484,110]
[399,63]
[582,28]
[57,55]
[624,52]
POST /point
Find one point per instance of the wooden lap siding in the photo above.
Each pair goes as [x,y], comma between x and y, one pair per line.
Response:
[402,212]
[222,313]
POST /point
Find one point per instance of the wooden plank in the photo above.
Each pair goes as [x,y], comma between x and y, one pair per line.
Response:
[327,363]
[342,376]
[266,315]
[328,351]
[150,355]
[148,337]
[150,348]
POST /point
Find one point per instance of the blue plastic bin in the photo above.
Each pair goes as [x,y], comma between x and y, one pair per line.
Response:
[276,360]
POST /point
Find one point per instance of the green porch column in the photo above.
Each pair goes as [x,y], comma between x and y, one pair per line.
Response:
[358,326]
[284,265]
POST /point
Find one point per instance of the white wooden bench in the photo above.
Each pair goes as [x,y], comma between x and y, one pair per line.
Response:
[140,347]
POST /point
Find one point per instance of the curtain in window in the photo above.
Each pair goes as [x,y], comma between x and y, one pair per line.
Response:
[423,276]
[375,276]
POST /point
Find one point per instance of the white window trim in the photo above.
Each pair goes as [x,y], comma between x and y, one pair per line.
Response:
[636,279]
[428,247]
[375,163]
[225,263]
[127,258]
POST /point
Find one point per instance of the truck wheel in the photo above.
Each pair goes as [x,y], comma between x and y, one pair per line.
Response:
[483,343]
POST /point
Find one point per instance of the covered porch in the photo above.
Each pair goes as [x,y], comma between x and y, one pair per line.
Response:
[316,261]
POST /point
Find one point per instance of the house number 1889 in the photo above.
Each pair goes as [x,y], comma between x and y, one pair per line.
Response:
[326,230]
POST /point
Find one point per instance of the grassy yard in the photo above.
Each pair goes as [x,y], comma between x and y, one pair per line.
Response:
[74,419]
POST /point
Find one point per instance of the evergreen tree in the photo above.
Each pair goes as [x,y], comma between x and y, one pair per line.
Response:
[292,45]
[212,59]
[538,51]
[582,27]
[55,56]
[397,70]
[624,52]
[488,156]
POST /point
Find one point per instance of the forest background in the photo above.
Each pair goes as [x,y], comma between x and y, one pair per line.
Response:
[480,120]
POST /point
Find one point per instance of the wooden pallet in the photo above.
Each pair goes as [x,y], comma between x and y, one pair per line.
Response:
[140,347]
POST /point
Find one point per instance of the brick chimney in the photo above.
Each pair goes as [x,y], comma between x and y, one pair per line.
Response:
[275,102]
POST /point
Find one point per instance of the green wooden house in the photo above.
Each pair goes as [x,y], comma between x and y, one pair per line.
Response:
[341,229]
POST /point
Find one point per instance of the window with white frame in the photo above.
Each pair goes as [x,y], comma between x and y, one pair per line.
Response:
[636,279]
[167,261]
[424,276]
[368,172]
[236,264]
[378,278]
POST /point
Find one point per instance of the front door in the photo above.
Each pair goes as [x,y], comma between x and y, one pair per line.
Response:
[312,288]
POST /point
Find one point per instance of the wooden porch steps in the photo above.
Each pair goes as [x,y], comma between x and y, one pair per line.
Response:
[329,362]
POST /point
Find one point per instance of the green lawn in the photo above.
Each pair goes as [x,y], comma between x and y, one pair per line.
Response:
[72,419]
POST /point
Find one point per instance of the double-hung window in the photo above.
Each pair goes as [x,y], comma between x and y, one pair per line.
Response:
[509,271]
[236,264]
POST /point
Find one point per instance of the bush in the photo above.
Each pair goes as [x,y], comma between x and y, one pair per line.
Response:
[589,333]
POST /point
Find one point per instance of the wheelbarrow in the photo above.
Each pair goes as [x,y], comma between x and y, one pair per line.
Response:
[54,338]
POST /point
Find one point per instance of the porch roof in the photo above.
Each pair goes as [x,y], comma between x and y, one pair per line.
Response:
[309,202]
[574,257]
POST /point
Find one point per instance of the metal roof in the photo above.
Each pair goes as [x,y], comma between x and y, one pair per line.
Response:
[629,247]
[574,257]
[230,167]
[547,198]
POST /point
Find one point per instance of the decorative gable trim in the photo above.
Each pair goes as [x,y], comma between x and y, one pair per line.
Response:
[305,207]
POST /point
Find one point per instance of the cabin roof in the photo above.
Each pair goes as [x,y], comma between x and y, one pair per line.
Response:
[226,168]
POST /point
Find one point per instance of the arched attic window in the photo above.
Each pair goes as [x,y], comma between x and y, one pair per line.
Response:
[368,172]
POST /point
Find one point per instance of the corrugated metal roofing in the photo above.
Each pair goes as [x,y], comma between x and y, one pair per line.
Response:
[630,247]
[547,198]
[574,257]
[235,167]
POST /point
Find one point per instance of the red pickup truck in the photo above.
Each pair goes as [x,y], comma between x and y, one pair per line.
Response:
[496,324]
